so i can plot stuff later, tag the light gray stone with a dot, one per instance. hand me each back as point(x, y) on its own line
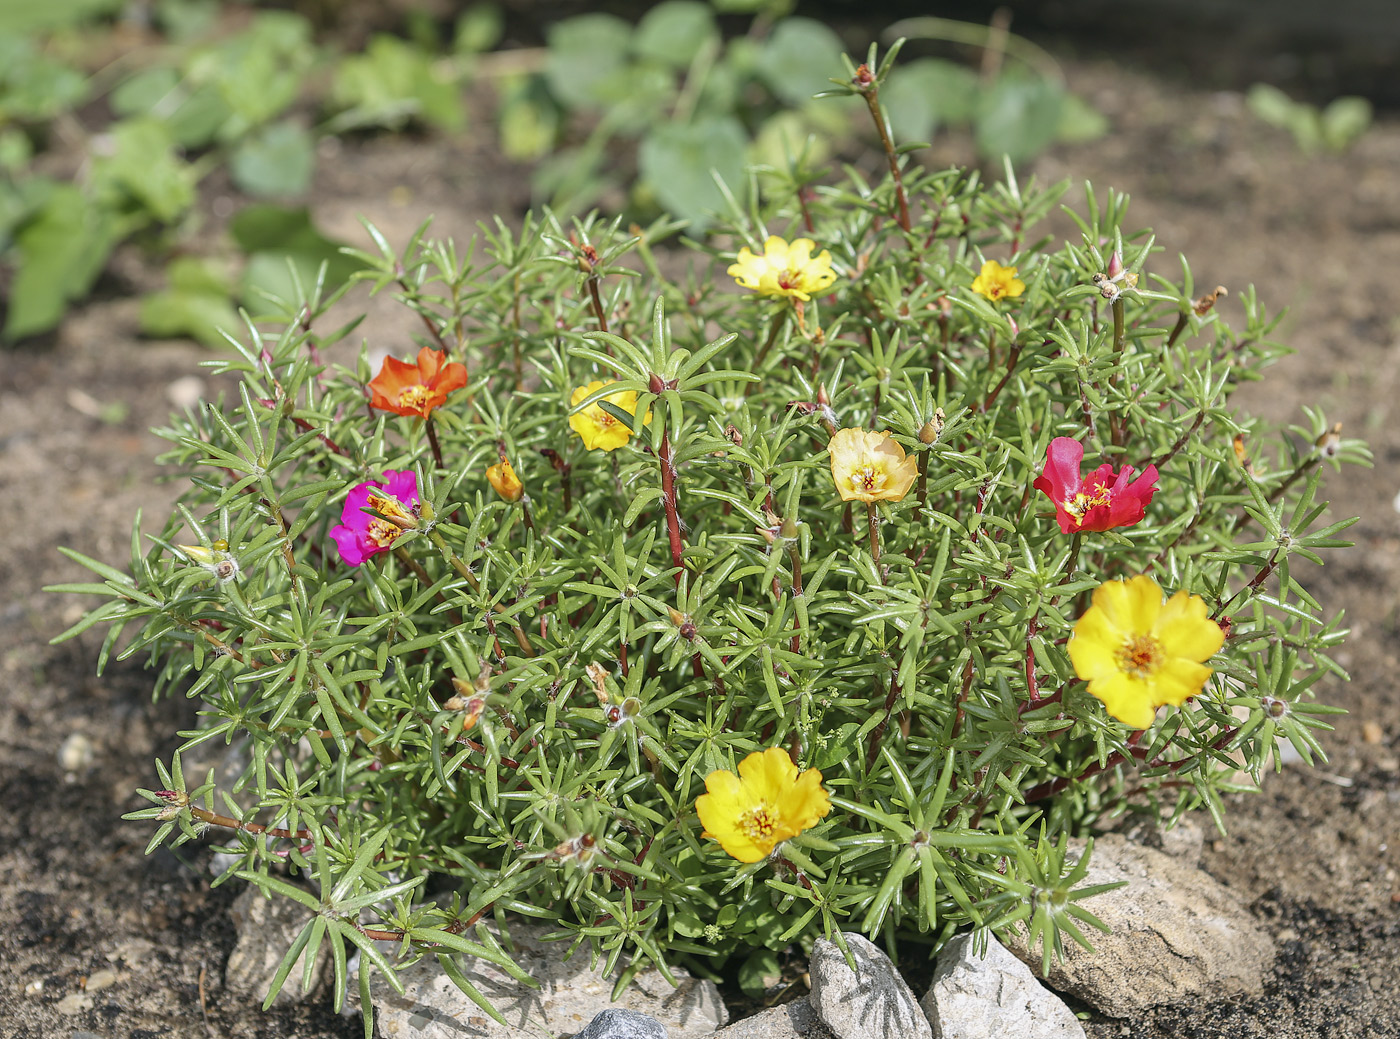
point(992, 996)
point(616, 1023)
point(1177, 934)
point(870, 1002)
point(266, 929)
point(795, 1020)
point(570, 995)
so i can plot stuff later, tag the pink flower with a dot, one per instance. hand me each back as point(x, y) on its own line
point(360, 534)
point(1100, 501)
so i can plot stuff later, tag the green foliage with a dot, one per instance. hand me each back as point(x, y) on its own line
point(1333, 128)
point(513, 711)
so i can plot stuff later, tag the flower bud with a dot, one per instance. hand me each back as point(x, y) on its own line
point(504, 481)
point(933, 428)
point(1115, 266)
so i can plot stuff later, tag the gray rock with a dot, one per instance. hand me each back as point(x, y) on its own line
point(615, 1023)
point(571, 994)
point(870, 1002)
point(795, 1020)
point(266, 929)
point(992, 996)
point(1177, 934)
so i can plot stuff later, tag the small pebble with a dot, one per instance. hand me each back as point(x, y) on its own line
point(1372, 732)
point(75, 753)
point(34, 988)
point(74, 1003)
point(100, 979)
point(185, 392)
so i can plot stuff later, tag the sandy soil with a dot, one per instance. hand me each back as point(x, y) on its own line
point(1315, 855)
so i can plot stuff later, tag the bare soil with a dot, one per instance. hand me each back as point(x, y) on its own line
point(1315, 854)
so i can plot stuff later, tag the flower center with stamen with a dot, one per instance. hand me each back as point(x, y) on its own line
point(1140, 656)
point(382, 533)
point(758, 823)
point(868, 478)
point(413, 397)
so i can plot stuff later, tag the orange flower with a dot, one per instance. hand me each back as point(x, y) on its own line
point(416, 389)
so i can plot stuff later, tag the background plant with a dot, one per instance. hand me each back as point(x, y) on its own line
point(513, 715)
point(97, 149)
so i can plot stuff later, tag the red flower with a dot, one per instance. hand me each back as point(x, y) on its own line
point(416, 389)
point(1100, 501)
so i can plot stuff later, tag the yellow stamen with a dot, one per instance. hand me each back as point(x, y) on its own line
point(413, 397)
point(1140, 656)
point(383, 533)
point(758, 823)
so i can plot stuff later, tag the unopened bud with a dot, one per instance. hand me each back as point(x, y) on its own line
point(1330, 442)
point(790, 527)
point(1115, 266)
point(1015, 328)
point(504, 481)
point(933, 428)
point(677, 618)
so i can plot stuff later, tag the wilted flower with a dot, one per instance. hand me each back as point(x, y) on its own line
point(416, 389)
point(783, 269)
point(998, 282)
point(870, 466)
point(1138, 653)
point(359, 534)
point(1100, 501)
point(599, 430)
point(502, 478)
point(765, 804)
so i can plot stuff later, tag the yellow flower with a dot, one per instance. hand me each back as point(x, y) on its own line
point(502, 477)
point(870, 466)
point(599, 430)
point(998, 282)
point(1138, 653)
point(784, 270)
point(765, 804)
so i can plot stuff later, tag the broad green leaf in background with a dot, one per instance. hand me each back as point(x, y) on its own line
point(277, 160)
point(799, 59)
point(142, 168)
point(61, 249)
point(675, 160)
point(926, 94)
point(17, 17)
point(195, 303)
point(1080, 121)
point(1344, 120)
point(33, 86)
point(276, 236)
point(1018, 118)
point(395, 81)
point(528, 119)
point(194, 115)
point(673, 32)
point(259, 72)
point(584, 52)
point(479, 29)
point(759, 972)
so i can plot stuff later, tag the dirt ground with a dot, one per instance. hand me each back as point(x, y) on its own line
point(1315, 855)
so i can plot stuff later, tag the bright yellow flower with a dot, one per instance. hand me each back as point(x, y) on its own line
point(998, 282)
point(765, 804)
point(870, 466)
point(784, 270)
point(502, 478)
point(599, 430)
point(1138, 652)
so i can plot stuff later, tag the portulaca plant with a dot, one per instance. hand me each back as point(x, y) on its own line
point(832, 585)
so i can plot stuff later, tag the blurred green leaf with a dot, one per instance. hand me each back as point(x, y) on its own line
point(927, 93)
point(1080, 121)
point(33, 86)
point(583, 53)
point(1271, 105)
point(676, 160)
point(194, 116)
point(799, 59)
point(528, 120)
point(1018, 118)
point(673, 32)
point(276, 236)
point(1344, 120)
point(395, 81)
point(277, 160)
point(61, 250)
point(195, 303)
point(142, 168)
point(479, 29)
point(18, 17)
point(759, 972)
point(259, 72)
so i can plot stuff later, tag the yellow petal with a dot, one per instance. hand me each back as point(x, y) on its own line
point(1094, 648)
point(1179, 680)
point(1126, 699)
point(1186, 630)
point(1131, 606)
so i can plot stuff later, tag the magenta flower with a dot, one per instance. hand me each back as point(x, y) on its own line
point(1100, 501)
point(361, 534)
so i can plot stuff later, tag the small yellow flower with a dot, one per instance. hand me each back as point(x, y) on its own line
point(870, 466)
point(1138, 652)
point(784, 270)
point(599, 430)
point(502, 477)
point(998, 282)
point(765, 804)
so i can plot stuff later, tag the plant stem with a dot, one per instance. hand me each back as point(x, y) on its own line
point(668, 500)
point(871, 91)
point(874, 524)
point(433, 440)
